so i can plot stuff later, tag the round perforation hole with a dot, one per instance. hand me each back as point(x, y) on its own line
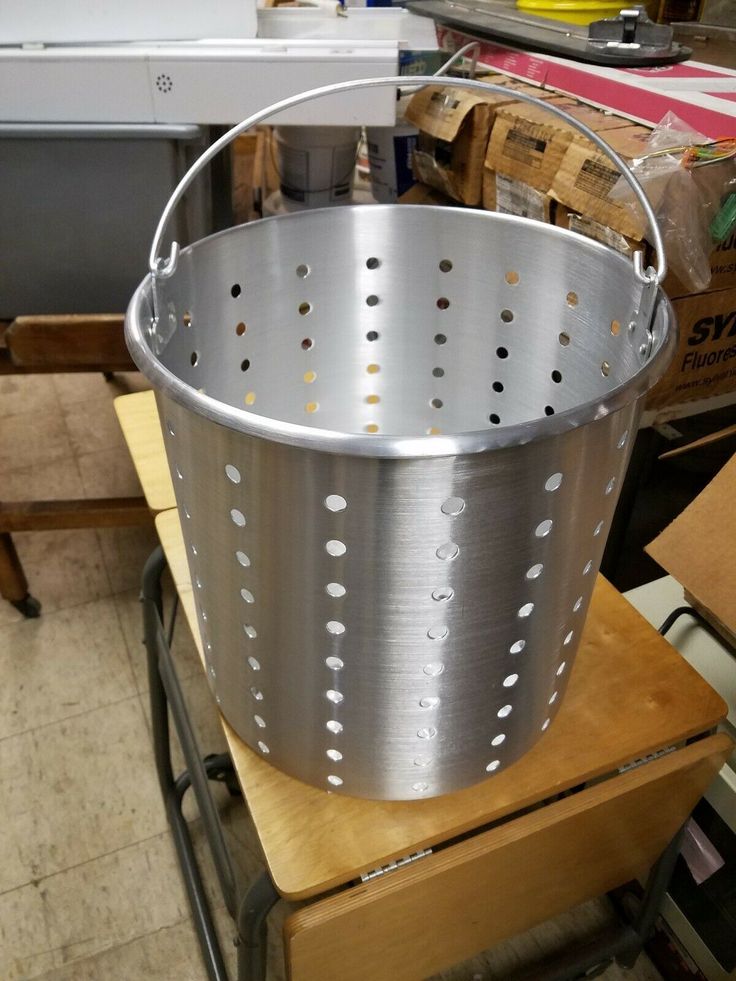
point(171, 429)
point(577, 604)
point(494, 418)
point(254, 663)
point(556, 376)
point(561, 668)
point(563, 338)
point(247, 595)
point(448, 551)
point(372, 335)
point(440, 339)
point(587, 567)
point(568, 638)
point(427, 732)
point(534, 571)
point(309, 377)
point(373, 399)
point(334, 727)
point(497, 386)
point(240, 329)
point(434, 669)
point(238, 518)
point(610, 485)
point(493, 765)
point(545, 724)
point(334, 663)
point(186, 318)
point(305, 308)
point(526, 610)
point(622, 441)
point(605, 369)
point(553, 482)
point(438, 631)
point(443, 595)
point(335, 589)
point(250, 398)
point(334, 754)
point(504, 711)
point(429, 702)
point(543, 528)
point(335, 627)
point(242, 558)
point(372, 262)
point(549, 410)
point(445, 265)
point(235, 291)
point(502, 352)
point(372, 300)
point(436, 403)
point(422, 760)
point(453, 506)
point(244, 364)
point(194, 358)
point(615, 328)
point(510, 680)
point(517, 647)
point(335, 547)
point(443, 303)
point(250, 631)
point(179, 474)
point(598, 528)
point(302, 270)
point(553, 698)
point(263, 747)
point(507, 316)
point(232, 473)
point(512, 277)
point(572, 298)
point(420, 787)
point(307, 343)
point(438, 372)
point(371, 427)
point(257, 694)
point(373, 369)
point(334, 780)
point(334, 696)
point(497, 740)
point(334, 502)
point(259, 721)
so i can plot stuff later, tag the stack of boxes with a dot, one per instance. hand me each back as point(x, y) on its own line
point(505, 155)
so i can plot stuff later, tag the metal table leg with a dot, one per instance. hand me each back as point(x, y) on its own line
point(251, 909)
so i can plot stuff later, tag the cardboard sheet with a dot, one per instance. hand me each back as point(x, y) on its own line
point(699, 550)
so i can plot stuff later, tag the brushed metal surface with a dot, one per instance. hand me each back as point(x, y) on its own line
point(394, 613)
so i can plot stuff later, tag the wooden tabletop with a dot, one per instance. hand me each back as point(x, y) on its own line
point(630, 694)
point(138, 418)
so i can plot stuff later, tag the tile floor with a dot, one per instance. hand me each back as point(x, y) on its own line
point(89, 889)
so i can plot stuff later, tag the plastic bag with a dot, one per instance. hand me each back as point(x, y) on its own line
point(685, 200)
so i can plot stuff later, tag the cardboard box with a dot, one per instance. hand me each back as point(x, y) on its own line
point(586, 177)
point(454, 126)
point(511, 197)
point(421, 194)
point(567, 218)
point(699, 550)
point(528, 144)
point(705, 361)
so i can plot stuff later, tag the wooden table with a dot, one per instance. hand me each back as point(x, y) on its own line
point(569, 821)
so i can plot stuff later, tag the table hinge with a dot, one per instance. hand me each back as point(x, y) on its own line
point(646, 759)
point(397, 864)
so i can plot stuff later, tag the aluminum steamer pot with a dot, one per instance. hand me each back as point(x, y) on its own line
point(397, 436)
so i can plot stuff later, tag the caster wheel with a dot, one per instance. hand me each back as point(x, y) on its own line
point(29, 606)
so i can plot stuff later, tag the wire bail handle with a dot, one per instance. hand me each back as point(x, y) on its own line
point(650, 278)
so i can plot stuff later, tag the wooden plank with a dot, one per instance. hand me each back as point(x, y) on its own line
point(103, 512)
point(138, 418)
point(470, 896)
point(630, 694)
point(58, 343)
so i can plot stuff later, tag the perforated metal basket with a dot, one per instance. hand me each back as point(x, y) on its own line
point(397, 436)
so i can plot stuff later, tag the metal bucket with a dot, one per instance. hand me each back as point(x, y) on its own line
point(397, 436)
